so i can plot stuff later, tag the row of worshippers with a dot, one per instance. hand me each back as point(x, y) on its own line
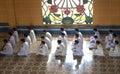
point(95, 41)
point(46, 39)
point(61, 48)
point(11, 42)
point(111, 43)
point(26, 42)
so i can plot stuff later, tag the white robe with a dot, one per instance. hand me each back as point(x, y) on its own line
point(92, 38)
point(43, 50)
point(65, 33)
point(98, 35)
point(28, 39)
point(8, 49)
point(12, 41)
point(113, 42)
point(77, 50)
point(15, 34)
point(24, 49)
point(64, 40)
point(81, 37)
point(49, 36)
point(115, 52)
point(110, 37)
point(48, 42)
point(80, 42)
point(98, 51)
point(60, 50)
point(108, 42)
point(32, 36)
point(92, 44)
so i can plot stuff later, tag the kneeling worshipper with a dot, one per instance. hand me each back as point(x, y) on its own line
point(47, 34)
point(99, 50)
point(108, 42)
point(12, 40)
point(43, 50)
point(60, 52)
point(63, 31)
point(24, 49)
point(63, 39)
point(15, 34)
point(80, 34)
point(115, 38)
point(77, 37)
point(7, 49)
point(93, 40)
point(28, 39)
point(97, 33)
point(115, 52)
point(47, 41)
point(110, 35)
point(77, 52)
point(32, 35)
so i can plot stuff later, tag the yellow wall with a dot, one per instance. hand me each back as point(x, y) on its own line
point(7, 12)
point(106, 12)
point(28, 12)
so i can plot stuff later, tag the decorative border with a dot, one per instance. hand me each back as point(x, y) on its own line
point(4, 27)
point(69, 29)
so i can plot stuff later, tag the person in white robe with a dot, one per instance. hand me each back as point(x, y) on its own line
point(99, 50)
point(15, 34)
point(7, 49)
point(80, 34)
point(28, 39)
point(115, 52)
point(32, 35)
point(109, 39)
point(77, 52)
point(97, 33)
point(47, 34)
point(77, 49)
point(60, 52)
point(115, 38)
point(63, 38)
point(43, 50)
point(110, 35)
point(60, 49)
point(63, 31)
point(24, 49)
point(47, 41)
point(108, 43)
point(12, 40)
point(77, 37)
point(93, 40)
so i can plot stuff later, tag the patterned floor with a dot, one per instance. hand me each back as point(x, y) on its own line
point(49, 65)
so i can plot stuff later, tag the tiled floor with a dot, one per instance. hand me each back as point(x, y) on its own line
point(49, 65)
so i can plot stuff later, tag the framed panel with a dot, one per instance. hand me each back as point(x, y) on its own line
point(67, 11)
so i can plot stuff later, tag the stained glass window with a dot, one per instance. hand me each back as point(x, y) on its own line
point(67, 11)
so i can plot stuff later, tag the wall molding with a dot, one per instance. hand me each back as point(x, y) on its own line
point(4, 27)
point(69, 29)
